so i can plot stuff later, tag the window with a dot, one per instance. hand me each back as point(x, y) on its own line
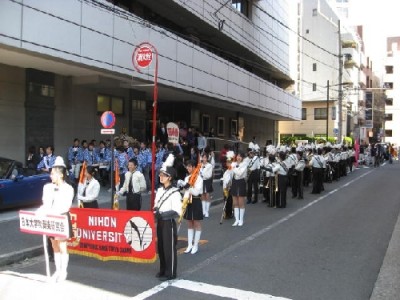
point(314, 87)
point(388, 117)
point(319, 113)
point(138, 105)
point(304, 113)
point(241, 6)
point(220, 126)
point(105, 103)
point(314, 12)
point(314, 66)
point(333, 113)
point(388, 133)
point(389, 69)
point(205, 123)
point(38, 89)
point(234, 127)
point(307, 30)
point(389, 101)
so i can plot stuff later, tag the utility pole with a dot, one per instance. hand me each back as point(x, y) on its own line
point(327, 109)
point(340, 86)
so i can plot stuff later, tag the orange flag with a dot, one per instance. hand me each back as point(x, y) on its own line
point(82, 178)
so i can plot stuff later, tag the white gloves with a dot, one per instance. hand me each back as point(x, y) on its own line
point(181, 183)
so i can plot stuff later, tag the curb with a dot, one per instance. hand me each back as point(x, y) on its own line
point(17, 256)
point(387, 285)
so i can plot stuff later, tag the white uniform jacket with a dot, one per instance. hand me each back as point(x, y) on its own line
point(91, 189)
point(138, 182)
point(57, 199)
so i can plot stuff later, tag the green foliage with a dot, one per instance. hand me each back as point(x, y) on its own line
point(289, 140)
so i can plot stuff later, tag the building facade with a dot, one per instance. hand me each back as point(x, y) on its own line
point(62, 63)
point(392, 84)
point(317, 63)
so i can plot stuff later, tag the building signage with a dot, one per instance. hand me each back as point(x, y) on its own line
point(142, 56)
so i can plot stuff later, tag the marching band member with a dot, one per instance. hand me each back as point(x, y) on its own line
point(133, 186)
point(282, 169)
point(57, 199)
point(270, 186)
point(238, 188)
point(318, 165)
point(206, 173)
point(227, 183)
point(89, 192)
point(167, 207)
point(297, 186)
point(292, 160)
point(253, 176)
point(343, 161)
point(193, 186)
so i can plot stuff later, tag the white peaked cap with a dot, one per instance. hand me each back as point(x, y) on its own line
point(59, 162)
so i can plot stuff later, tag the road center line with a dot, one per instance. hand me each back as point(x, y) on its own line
point(233, 247)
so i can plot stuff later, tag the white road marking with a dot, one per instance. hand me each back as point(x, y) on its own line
point(231, 248)
point(222, 291)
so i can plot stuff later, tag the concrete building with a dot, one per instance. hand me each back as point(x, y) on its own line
point(318, 63)
point(62, 63)
point(391, 80)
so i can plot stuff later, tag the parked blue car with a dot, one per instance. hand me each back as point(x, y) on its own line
point(20, 186)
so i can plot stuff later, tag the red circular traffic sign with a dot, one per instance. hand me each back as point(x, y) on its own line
point(107, 119)
point(142, 57)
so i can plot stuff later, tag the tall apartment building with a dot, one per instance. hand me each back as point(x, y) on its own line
point(329, 53)
point(391, 81)
point(220, 64)
point(318, 63)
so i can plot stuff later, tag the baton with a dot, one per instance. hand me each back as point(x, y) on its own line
point(223, 210)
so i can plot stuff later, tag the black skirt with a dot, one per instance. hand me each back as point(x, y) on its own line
point(194, 210)
point(208, 186)
point(238, 188)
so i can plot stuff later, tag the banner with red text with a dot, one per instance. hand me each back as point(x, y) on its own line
point(108, 234)
point(173, 133)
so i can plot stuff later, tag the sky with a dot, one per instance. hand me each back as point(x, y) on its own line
point(380, 20)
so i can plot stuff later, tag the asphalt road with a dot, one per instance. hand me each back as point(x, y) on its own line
point(328, 246)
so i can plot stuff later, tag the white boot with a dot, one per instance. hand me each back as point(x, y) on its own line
point(64, 266)
point(57, 262)
point(195, 248)
point(190, 240)
point(207, 207)
point(236, 213)
point(241, 217)
point(203, 205)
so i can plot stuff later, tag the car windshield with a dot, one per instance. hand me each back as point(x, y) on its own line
point(5, 165)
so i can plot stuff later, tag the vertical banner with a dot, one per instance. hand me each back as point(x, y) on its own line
point(369, 102)
point(173, 133)
point(107, 234)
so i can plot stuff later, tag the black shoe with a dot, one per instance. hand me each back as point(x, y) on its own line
point(294, 196)
point(254, 202)
point(167, 278)
point(248, 201)
point(300, 198)
point(160, 274)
